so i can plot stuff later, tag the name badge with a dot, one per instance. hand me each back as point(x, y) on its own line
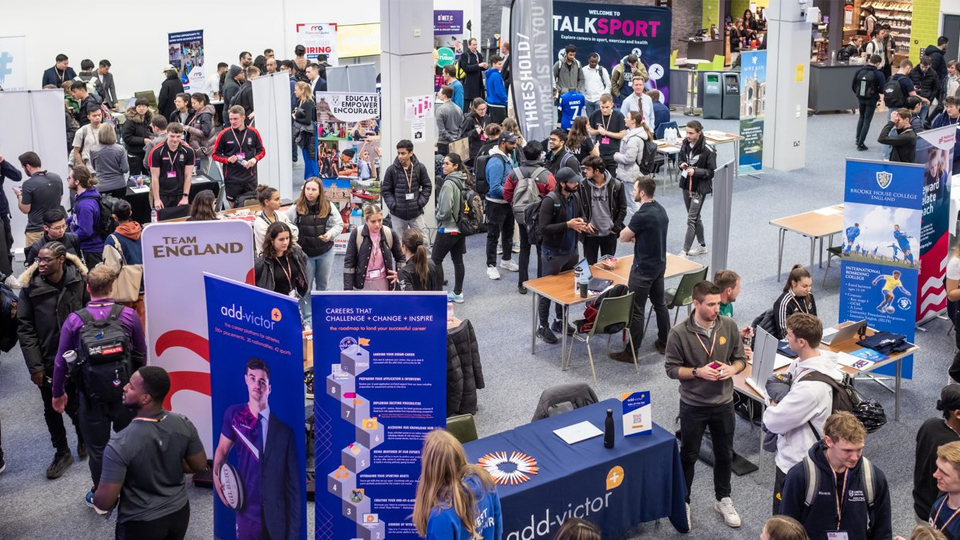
point(605, 140)
point(171, 174)
point(240, 155)
point(411, 196)
point(837, 535)
point(375, 274)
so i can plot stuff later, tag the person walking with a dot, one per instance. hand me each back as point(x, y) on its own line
point(499, 213)
point(318, 222)
point(449, 240)
point(532, 174)
point(697, 162)
point(406, 189)
point(304, 122)
point(604, 205)
point(373, 254)
point(868, 85)
point(85, 218)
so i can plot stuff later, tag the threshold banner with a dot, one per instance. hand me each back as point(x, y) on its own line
point(532, 64)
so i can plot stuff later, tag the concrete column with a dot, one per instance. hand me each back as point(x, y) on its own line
point(406, 36)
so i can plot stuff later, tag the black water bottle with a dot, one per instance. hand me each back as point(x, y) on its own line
point(608, 432)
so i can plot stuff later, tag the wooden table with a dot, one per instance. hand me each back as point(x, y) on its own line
point(668, 149)
point(815, 225)
point(559, 288)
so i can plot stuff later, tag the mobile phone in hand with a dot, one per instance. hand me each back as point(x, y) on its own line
point(715, 365)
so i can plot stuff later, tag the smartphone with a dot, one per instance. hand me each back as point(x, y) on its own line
point(715, 365)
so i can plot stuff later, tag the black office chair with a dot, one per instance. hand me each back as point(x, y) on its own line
point(565, 397)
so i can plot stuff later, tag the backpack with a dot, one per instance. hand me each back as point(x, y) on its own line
point(648, 159)
point(526, 193)
point(106, 224)
point(846, 398)
point(480, 172)
point(104, 357)
point(812, 475)
point(866, 87)
point(893, 94)
point(384, 230)
point(593, 308)
point(470, 219)
point(531, 217)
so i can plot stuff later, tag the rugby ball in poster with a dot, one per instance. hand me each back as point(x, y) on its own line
point(231, 486)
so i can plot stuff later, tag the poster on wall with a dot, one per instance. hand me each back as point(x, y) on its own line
point(317, 39)
point(531, 46)
point(382, 359)
point(175, 256)
point(883, 203)
point(935, 153)
point(186, 55)
point(348, 115)
point(753, 86)
point(613, 32)
point(448, 34)
point(256, 376)
point(13, 63)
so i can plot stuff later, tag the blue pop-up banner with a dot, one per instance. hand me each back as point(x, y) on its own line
point(882, 209)
point(382, 361)
point(256, 378)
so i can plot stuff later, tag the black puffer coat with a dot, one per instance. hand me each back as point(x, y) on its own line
point(703, 159)
point(356, 260)
point(394, 189)
point(464, 370)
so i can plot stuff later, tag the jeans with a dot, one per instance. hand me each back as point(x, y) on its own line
point(606, 245)
point(590, 107)
point(924, 109)
point(694, 204)
point(632, 204)
point(54, 420)
point(650, 286)
point(401, 225)
point(524, 262)
point(318, 269)
point(169, 527)
point(96, 419)
point(310, 167)
point(867, 108)
point(694, 421)
point(553, 264)
point(455, 245)
point(500, 224)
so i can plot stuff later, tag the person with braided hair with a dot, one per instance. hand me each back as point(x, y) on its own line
point(420, 273)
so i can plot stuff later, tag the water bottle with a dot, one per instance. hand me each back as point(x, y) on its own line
point(577, 272)
point(608, 432)
point(153, 215)
point(70, 357)
point(449, 310)
point(582, 283)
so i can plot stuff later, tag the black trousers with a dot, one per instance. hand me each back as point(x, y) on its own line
point(498, 113)
point(6, 263)
point(777, 490)
point(136, 164)
point(456, 246)
point(500, 225)
point(524, 261)
point(169, 527)
point(54, 420)
point(92, 259)
point(955, 367)
point(867, 108)
point(606, 245)
point(553, 264)
point(96, 421)
point(694, 421)
point(650, 286)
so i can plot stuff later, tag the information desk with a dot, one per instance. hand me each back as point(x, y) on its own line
point(139, 198)
point(815, 225)
point(640, 479)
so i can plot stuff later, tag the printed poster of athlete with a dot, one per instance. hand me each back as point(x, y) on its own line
point(937, 161)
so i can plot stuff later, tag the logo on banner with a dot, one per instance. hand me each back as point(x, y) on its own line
point(347, 342)
point(615, 477)
point(884, 179)
point(904, 303)
point(516, 469)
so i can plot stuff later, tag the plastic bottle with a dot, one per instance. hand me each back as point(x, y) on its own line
point(608, 432)
point(153, 215)
point(576, 280)
point(582, 284)
point(449, 310)
point(70, 357)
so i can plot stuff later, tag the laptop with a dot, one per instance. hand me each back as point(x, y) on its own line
point(764, 360)
point(843, 334)
point(594, 284)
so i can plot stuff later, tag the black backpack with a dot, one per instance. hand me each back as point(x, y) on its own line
point(846, 398)
point(106, 224)
point(480, 172)
point(470, 218)
point(893, 96)
point(865, 84)
point(104, 357)
point(531, 216)
point(648, 161)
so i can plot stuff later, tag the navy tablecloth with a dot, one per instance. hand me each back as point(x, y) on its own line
point(638, 480)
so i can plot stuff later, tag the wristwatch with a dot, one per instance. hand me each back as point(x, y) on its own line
point(694, 373)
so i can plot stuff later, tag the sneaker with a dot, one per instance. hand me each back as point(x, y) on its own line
point(729, 513)
point(622, 356)
point(700, 250)
point(3, 464)
point(521, 289)
point(861, 147)
point(61, 462)
point(547, 335)
point(515, 247)
point(455, 298)
point(682, 254)
point(88, 498)
point(509, 265)
point(571, 329)
point(492, 272)
point(689, 519)
point(81, 450)
point(661, 347)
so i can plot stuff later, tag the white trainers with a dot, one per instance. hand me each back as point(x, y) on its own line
point(682, 254)
point(729, 513)
point(492, 272)
point(689, 520)
point(509, 265)
point(699, 250)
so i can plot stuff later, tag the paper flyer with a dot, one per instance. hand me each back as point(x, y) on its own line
point(637, 414)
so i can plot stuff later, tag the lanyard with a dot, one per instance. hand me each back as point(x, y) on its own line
point(146, 419)
point(60, 75)
point(170, 156)
point(712, 346)
point(609, 119)
point(239, 144)
point(801, 307)
point(288, 271)
point(944, 503)
point(839, 495)
point(409, 177)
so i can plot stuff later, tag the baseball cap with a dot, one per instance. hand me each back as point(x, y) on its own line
point(567, 174)
point(506, 136)
point(949, 398)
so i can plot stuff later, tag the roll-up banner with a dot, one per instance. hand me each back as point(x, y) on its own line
point(186, 55)
point(13, 63)
point(935, 152)
point(753, 85)
point(531, 36)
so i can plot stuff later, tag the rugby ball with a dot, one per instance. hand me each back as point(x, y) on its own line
point(231, 487)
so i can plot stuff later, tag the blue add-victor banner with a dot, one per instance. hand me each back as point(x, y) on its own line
point(883, 203)
point(382, 361)
point(256, 378)
point(753, 87)
point(614, 32)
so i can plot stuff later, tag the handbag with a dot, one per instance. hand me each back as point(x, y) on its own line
point(129, 279)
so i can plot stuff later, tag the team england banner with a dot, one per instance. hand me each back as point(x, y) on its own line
point(13, 63)
point(186, 55)
point(532, 64)
point(753, 84)
point(317, 39)
point(883, 203)
point(256, 375)
point(935, 153)
point(613, 32)
point(382, 362)
point(175, 256)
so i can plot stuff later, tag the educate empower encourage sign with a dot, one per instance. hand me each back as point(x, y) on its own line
point(349, 106)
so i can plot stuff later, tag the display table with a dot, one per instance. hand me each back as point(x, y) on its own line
point(139, 198)
point(640, 479)
point(815, 225)
point(830, 87)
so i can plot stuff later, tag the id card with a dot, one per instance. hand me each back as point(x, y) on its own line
point(240, 155)
point(605, 140)
point(375, 274)
point(837, 535)
point(411, 196)
point(171, 174)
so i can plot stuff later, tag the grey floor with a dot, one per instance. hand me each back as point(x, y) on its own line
point(33, 507)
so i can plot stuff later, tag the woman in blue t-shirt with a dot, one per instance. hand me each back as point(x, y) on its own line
point(455, 500)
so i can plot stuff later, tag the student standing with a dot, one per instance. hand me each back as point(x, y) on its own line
point(7, 171)
point(123, 248)
point(531, 174)
point(304, 122)
point(54, 230)
point(137, 132)
point(496, 90)
point(904, 143)
point(868, 85)
point(448, 239)
point(42, 191)
point(607, 126)
point(449, 120)
point(499, 214)
point(84, 220)
point(110, 161)
point(596, 82)
point(406, 189)
point(373, 254)
point(239, 148)
point(269, 199)
point(567, 73)
point(631, 152)
point(558, 156)
point(934, 433)
point(318, 222)
point(200, 131)
point(604, 204)
point(697, 162)
point(797, 297)
point(282, 265)
point(450, 79)
point(171, 170)
point(704, 352)
point(472, 64)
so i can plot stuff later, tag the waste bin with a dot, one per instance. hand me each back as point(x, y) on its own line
point(731, 96)
point(712, 95)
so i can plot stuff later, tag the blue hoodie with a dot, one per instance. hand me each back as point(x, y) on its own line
point(860, 521)
point(84, 218)
point(445, 524)
point(496, 91)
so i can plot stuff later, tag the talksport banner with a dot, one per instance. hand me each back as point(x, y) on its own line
point(613, 32)
point(532, 66)
point(256, 372)
point(935, 153)
point(186, 55)
point(383, 362)
point(883, 203)
point(175, 256)
point(753, 85)
point(13, 63)
point(317, 39)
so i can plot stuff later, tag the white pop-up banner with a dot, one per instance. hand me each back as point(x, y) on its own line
point(175, 256)
point(13, 63)
point(272, 118)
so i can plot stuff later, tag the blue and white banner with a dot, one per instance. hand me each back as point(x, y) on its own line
point(935, 153)
point(882, 214)
point(753, 86)
point(382, 361)
point(13, 63)
point(185, 50)
point(256, 372)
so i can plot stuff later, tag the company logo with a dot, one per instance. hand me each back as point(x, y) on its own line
point(516, 469)
point(723, 340)
point(884, 179)
point(904, 303)
point(614, 477)
point(347, 342)
point(275, 315)
point(239, 314)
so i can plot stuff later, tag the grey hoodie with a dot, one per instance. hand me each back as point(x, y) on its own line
point(449, 199)
point(687, 346)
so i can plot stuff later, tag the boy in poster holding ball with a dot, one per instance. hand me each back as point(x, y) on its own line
point(890, 283)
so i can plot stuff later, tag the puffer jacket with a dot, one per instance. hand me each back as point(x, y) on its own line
point(356, 260)
point(136, 132)
point(263, 271)
point(464, 370)
point(43, 308)
point(202, 135)
point(703, 158)
point(631, 150)
point(311, 227)
point(394, 189)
